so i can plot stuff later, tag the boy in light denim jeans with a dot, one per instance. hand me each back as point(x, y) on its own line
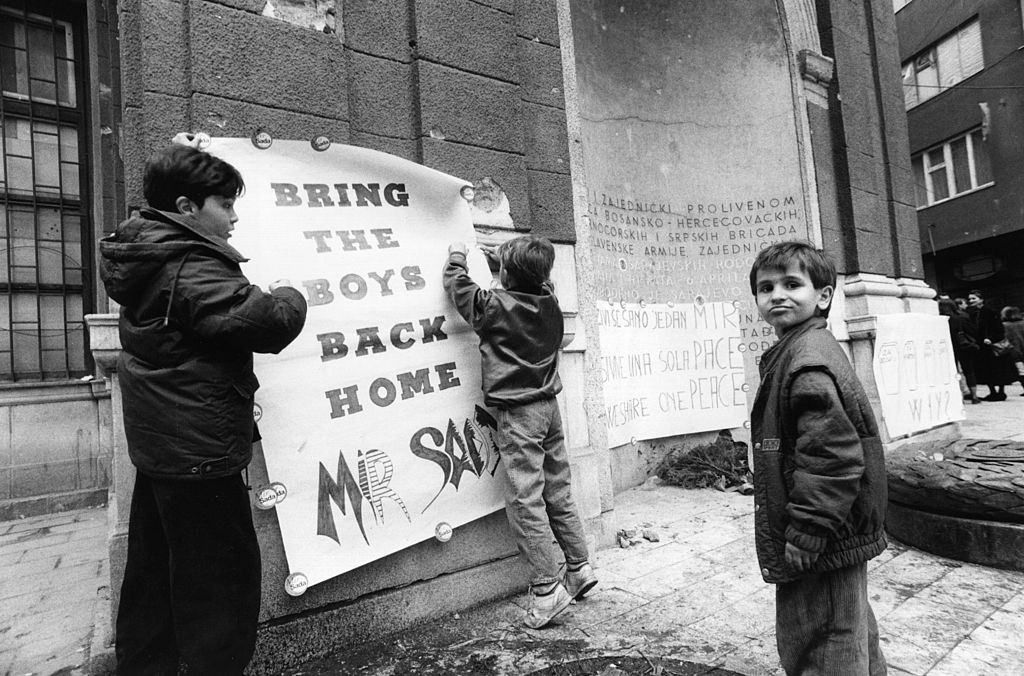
point(520, 330)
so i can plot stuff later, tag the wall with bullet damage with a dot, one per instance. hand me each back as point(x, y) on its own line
point(472, 88)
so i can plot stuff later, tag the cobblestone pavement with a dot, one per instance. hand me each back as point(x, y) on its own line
point(695, 595)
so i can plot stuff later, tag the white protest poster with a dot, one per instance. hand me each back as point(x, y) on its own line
point(372, 419)
point(670, 369)
point(916, 373)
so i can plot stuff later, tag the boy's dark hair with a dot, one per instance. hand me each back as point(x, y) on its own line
point(948, 307)
point(527, 259)
point(815, 262)
point(976, 292)
point(180, 170)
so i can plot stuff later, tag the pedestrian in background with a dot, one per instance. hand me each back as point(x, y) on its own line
point(520, 329)
point(190, 322)
point(965, 345)
point(1013, 328)
point(819, 473)
point(995, 370)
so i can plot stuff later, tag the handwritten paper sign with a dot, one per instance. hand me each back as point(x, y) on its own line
point(916, 373)
point(670, 369)
point(372, 420)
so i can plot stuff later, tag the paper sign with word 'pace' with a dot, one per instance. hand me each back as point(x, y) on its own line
point(372, 419)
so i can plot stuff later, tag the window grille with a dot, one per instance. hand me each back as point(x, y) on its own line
point(44, 253)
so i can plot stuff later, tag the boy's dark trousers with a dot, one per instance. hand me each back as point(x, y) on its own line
point(824, 625)
point(191, 587)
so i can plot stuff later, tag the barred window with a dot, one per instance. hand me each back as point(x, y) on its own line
point(44, 272)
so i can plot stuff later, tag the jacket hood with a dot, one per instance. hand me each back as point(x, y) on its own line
point(142, 245)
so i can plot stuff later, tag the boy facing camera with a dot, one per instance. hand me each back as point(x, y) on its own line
point(819, 473)
point(189, 324)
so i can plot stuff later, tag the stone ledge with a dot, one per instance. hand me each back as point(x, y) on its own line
point(988, 543)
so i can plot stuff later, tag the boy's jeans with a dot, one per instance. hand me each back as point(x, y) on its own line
point(824, 625)
point(538, 496)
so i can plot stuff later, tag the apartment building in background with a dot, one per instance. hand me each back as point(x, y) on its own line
point(963, 85)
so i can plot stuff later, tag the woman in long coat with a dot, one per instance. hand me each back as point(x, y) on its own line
point(996, 372)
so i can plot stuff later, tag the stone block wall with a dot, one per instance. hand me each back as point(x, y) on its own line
point(471, 88)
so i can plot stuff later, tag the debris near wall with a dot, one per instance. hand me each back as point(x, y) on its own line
point(721, 464)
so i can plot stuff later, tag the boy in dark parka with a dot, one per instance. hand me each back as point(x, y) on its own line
point(189, 324)
point(819, 473)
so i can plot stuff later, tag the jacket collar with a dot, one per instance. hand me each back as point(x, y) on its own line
point(771, 356)
point(192, 225)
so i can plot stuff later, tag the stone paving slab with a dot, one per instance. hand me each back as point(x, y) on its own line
point(696, 595)
point(54, 572)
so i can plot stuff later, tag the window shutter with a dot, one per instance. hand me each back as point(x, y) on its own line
point(949, 62)
point(971, 57)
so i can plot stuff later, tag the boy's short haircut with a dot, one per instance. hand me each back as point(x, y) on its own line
point(527, 259)
point(180, 170)
point(815, 262)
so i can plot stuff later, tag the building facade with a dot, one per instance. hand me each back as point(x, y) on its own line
point(963, 78)
point(576, 111)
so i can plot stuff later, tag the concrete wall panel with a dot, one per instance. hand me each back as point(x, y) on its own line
point(163, 36)
point(466, 35)
point(228, 117)
point(540, 73)
point(551, 206)
point(470, 109)
point(382, 96)
point(547, 139)
point(252, 58)
point(380, 28)
point(538, 20)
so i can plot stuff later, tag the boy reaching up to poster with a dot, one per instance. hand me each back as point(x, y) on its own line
point(819, 473)
point(190, 322)
point(520, 330)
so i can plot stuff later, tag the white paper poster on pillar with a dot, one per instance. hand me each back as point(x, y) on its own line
point(372, 420)
point(916, 373)
point(671, 368)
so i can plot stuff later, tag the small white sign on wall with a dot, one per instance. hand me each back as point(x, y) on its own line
point(916, 373)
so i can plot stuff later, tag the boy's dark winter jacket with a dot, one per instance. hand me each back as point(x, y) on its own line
point(520, 332)
point(189, 324)
point(819, 469)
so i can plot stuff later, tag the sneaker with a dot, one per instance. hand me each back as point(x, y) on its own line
point(545, 607)
point(579, 582)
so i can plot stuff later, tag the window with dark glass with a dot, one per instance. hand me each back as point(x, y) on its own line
point(43, 215)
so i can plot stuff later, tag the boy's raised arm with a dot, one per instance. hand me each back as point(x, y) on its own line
point(469, 299)
point(828, 458)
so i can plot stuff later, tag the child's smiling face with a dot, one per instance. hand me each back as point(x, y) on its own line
point(787, 298)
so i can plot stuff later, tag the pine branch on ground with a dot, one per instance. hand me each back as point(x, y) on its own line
point(721, 463)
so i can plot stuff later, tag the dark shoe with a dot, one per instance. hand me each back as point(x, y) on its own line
point(975, 400)
point(995, 397)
